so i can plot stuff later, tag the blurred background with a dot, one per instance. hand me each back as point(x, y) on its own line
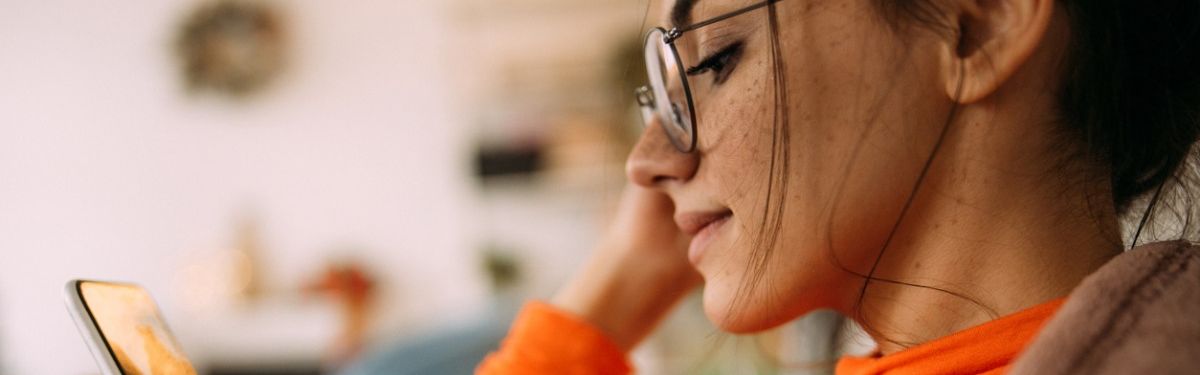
point(311, 187)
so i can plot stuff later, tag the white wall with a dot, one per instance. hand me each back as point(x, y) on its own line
point(109, 170)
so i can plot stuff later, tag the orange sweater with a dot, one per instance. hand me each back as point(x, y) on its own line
point(988, 348)
point(546, 340)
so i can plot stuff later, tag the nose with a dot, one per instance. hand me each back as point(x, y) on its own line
point(654, 160)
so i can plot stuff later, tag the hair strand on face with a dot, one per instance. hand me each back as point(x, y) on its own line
point(775, 200)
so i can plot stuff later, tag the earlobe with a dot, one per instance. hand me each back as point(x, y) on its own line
point(995, 38)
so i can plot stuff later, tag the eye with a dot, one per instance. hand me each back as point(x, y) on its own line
point(720, 63)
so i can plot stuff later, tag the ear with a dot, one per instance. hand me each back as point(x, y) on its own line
point(995, 38)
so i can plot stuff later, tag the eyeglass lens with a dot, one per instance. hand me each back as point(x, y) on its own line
point(669, 92)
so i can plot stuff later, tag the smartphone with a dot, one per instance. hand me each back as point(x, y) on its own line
point(124, 330)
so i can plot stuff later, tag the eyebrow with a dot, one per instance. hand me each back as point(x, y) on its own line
point(681, 12)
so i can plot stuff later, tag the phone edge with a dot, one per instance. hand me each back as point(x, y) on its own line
point(86, 325)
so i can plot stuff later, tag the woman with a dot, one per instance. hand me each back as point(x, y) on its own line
point(949, 174)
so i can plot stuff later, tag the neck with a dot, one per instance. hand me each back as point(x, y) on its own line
point(987, 235)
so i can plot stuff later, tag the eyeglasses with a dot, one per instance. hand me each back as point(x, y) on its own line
point(668, 98)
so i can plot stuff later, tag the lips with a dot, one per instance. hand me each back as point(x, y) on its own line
point(704, 228)
point(693, 222)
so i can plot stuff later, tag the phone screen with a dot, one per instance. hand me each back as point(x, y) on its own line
point(133, 329)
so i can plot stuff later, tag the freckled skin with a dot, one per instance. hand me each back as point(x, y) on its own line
point(998, 214)
point(834, 109)
point(867, 106)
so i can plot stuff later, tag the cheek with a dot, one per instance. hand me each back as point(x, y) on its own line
point(860, 124)
point(864, 107)
point(736, 142)
point(735, 136)
point(861, 140)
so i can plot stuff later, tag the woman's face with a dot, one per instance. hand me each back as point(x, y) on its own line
point(864, 104)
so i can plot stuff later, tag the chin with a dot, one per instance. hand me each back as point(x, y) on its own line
point(738, 315)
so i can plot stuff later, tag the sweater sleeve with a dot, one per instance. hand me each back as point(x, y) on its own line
point(547, 340)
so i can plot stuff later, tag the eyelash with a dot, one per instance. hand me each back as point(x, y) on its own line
point(720, 63)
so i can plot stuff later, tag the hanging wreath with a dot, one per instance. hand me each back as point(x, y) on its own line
point(230, 47)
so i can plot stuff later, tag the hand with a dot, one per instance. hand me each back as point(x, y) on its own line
point(638, 272)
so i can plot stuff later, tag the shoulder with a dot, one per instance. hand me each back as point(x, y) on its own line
point(1136, 314)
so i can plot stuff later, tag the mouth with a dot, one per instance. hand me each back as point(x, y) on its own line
point(692, 223)
point(704, 228)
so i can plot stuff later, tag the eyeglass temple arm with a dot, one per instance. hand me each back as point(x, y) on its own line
point(678, 31)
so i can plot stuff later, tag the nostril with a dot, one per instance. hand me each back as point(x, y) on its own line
point(637, 173)
point(655, 160)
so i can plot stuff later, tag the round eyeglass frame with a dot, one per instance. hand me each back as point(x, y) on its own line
point(664, 41)
point(645, 95)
